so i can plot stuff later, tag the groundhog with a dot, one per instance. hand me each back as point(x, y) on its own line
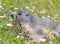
point(36, 27)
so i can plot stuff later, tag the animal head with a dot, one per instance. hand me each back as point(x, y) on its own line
point(21, 16)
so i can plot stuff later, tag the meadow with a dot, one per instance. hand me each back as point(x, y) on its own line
point(41, 8)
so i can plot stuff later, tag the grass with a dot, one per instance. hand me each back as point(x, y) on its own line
point(40, 8)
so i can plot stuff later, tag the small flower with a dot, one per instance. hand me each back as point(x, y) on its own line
point(35, 14)
point(43, 11)
point(16, 8)
point(42, 39)
point(13, 43)
point(43, 17)
point(0, 39)
point(10, 19)
point(4, 16)
point(48, 16)
point(4, 4)
point(18, 36)
point(50, 42)
point(28, 42)
point(9, 24)
point(27, 7)
point(1, 6)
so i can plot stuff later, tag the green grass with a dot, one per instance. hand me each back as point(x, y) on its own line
point(51, 8)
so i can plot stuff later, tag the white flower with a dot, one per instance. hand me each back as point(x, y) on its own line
point(50, 42)
point(48, 16)
point(42, 39)
point(18, 36)
point(43, 11)
point(32, 10)
point(27, 7)
point(10, 19)
point(0, 38)
point(16, 8)
point(4, 4)
point(9, 24)
point(35, 14)
point(13, 43)
point(1, 6)
point(28, 42)
point(4, 16)
point(43, 17)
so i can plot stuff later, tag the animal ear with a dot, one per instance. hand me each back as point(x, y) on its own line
point(19, 13)
point(27, 14)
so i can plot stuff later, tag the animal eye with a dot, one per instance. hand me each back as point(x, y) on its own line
point(27, 14)
point(19, 13)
